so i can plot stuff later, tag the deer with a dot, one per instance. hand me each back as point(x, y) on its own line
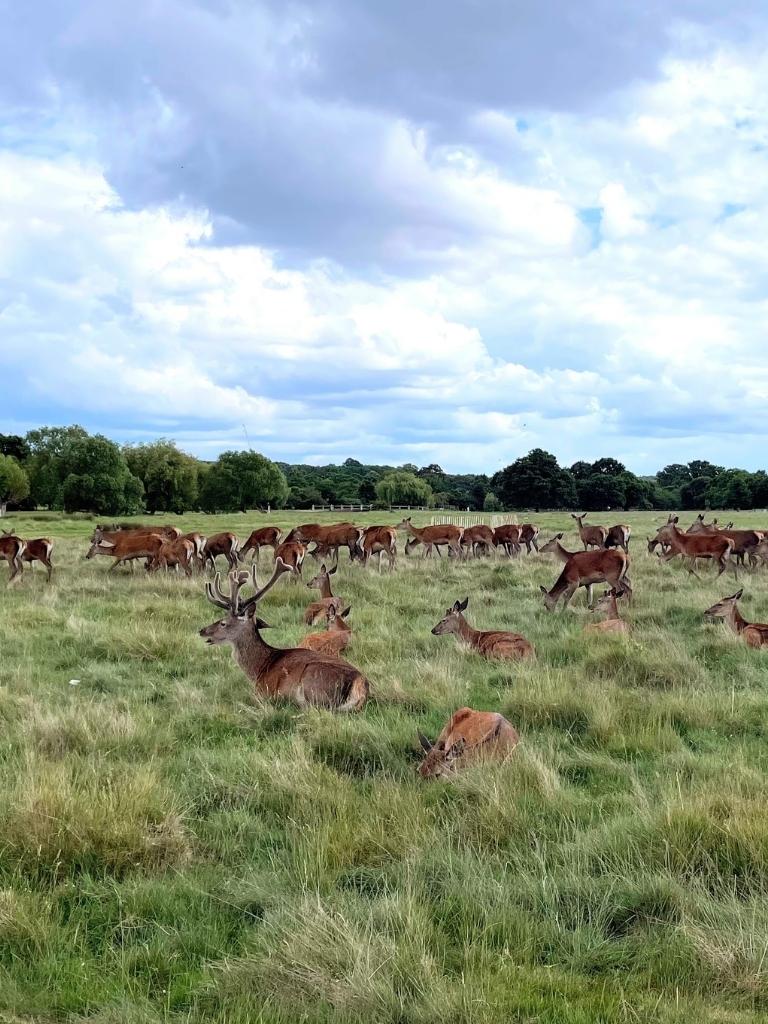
point(305, 677)
point(498, 645)
point(583, 569)
point(591, 536)
point(125, 545)
point(198, 542)
point(618, 537)
point(529, 533)
point(744, 541)
point(612, 623)
point(12, 550)
point(265, 537)
point(379, 540)
point(179, 552)
point(508, 536)
point(690, 546)
point(553, 546)
point(334, 638)
point(317, 609)
point(292, 553)
point(339, 535)
point(37, 550)
point(225, 544)
point(754, 634)
point(432, 536)
point(468, 735)
point(107, 533)
point(477, 538)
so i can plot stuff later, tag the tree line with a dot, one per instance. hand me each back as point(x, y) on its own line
point(67, 468)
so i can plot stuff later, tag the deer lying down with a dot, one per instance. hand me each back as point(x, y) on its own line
point(305, 677)
point(613, 623)
point(497, 644)
point(468, 735)
point(754, 634)
point(334, 639)
point(322, 582)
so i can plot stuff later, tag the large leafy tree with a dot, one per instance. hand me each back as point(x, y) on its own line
point(14, 445)
point(403, 488)
point(730, 489)
point(169, 475)
point(45, 465)
point(238, 481)
point(96, 478)
point(14, 482)
point(535, 481)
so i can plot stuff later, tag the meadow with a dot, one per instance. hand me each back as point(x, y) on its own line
point(173, 850)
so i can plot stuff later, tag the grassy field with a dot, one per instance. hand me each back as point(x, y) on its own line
point(171, 850)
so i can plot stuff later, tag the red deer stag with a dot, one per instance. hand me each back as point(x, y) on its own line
point(583, 569)
point(618, 537)
point(174, 553)
point(334, 638)
point(318, 609)
point(468, 735)
point(292, 553)
point(125, 545)
point(500, 645)
point(265, 537)
point(432, 536)
point(379, 540)
point(37, 550)
point(508, 536)
point(225, 544)
point(591, 536)
point(12, 550)
point(690, 546)
point(477, 538)
point(296, 674)
point(754, 634)
point(612, 623)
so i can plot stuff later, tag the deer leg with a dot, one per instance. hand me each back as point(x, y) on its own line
point(589, 595)
point(568, 594)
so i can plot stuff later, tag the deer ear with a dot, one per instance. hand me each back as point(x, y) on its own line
point(332, 571)
point(463, 605)
point(322, 567)
point(676, 519)
point(346, 612)
point(738, 594)
point(258, 623)
point(543, 590)
point(426, 745)
point(558, 536)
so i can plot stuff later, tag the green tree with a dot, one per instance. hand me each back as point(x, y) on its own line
point(45, 465)
point(96, 478)
point(238, 481)
point(367, 489)
point(730, 489)
point(14, 482)
point(402, 488)
point(535, 481)
point(674, 476)
point(169, 475)
point(693, 495)
point(491, 503)
point(14, 445)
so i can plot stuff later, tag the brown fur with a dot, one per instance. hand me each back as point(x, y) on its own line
point(591, 536)
point(754, 634)
point(468, 735)
point(496, 644)
point(433, 536)
point(265, 537)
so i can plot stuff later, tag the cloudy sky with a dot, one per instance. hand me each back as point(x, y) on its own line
point(422, 232)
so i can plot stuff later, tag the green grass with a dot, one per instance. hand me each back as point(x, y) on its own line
point(173, 850)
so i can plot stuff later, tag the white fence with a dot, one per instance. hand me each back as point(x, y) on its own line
point(473, 519)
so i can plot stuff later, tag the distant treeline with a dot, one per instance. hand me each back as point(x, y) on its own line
point(69, 469)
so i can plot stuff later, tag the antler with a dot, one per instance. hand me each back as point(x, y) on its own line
point(216, 595)
point(280, 568)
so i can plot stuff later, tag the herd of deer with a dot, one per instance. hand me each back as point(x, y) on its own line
point(314, 673)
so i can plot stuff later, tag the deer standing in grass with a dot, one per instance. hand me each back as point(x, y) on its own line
point(379, 540)
point(225, 544)
point(468, 735)
point(12, 550)
point(37, 550)
point(690, 546)
point(432, 536)
point(265, 537)
point(508, 536)
point(334, 638)
point(613, 622)
point(497, 644)
point(618, 537)
point(754, 634)
point(198, 542)
point(174, 553)
point(529, 533)
point(292, 553)
point(317, 609)
point(477, 538)
point(125, 545)
point(306, 677)
point(585, 568)
point(554, 547)
point(591, 536)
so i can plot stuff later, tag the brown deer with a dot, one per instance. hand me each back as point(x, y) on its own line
point(379, 540)
point(334, 638)
point(12, 550)
point(690, 546)
point(108, 534)
point(225, 544)
point(508, 536)
point(468, 735)
point(754, 634)
point(554, 547)
point(37, 550)
point(125, 545)
point(591, 536)
point(612, 623)
point(328, 538)
point(500, 645)
point(618, 537)
point(477, 538)
point(432, 536)
point(529, 533)
point(174, 553)
point(584, 568)
point(292, 552)
point(744, 541)
point(198, 542)
point(308, 678)
point(318, 609)
point(265, 537)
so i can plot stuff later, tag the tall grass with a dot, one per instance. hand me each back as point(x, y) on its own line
point(172, 849)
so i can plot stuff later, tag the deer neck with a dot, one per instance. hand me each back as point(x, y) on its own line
point(736, 620)
point(252, 653)
point(466, 632)
point(613, 611)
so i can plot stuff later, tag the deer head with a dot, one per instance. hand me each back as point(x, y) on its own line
point(97, 541)
point(722, 609)
point(439, 761)
point(241, 619)
point(322, 579)
point(605, 602)
point(551, 544)
point(451, 621)
point(404, 524)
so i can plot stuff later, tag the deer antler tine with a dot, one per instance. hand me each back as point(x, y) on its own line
point(215, 598)
point(217, 588)
point(252, 575)
point(280, 568)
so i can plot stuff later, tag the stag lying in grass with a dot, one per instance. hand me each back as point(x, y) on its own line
point(12, 550)
point(468, 735)
point(754, 634)
point(334, 638)
point(308, 678)
point(583, 569)
point(37, 550)
point(500, 645)
point(613, 622)
point(322, 582)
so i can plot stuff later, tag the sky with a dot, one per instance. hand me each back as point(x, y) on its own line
point(432, 232)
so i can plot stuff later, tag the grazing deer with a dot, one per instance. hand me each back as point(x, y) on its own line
point(379, 540)
point(108, 534)
point(584, 568)
point(225, 544)
point(174, 553)
point(198, 541)
point(37, 550)
point(318, 609)
point(690, 546)
point(508, 536)
point(497, 644)
point(265, 537)
point(613, 623)
point(328, 538)
point(306, 677)
point(125, 545)
point(292, 552)
point(12, 550)
point(618, 537)
point(469, 734)
point(432, 536)
point(529, 533)
point(754, 634)
point(334, 638)
point(591, 536)
point(476, 538)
